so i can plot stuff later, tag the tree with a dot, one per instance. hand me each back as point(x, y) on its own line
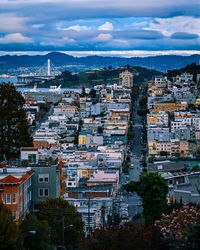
point(130, 135)
point(66, 226)
point(83, 93)
point(92, 93)
point(152, 189)
point(8, 228)
point(127, 236)
point(125, 167)
point(163, 153)
point(100, 129)
point(14, 128)
point(80, 122)
point(177, 226)
point(34, 233)
point(143, 101)
point(196, 168)
point(193, 241)
point(142, 112)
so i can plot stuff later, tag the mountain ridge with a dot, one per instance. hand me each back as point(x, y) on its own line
point(61, 60)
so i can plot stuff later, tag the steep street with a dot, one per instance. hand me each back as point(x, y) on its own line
point(132, 199)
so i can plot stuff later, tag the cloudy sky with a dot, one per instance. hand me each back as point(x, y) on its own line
point(97, 26)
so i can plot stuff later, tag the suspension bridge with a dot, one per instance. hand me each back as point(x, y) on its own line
point(45, 72)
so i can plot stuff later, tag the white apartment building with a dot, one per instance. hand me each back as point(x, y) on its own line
point(126, 79)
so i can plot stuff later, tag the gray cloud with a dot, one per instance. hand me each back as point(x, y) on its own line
point(184, 35)
point(47, 22)
point(139, 34)
point(74, 9)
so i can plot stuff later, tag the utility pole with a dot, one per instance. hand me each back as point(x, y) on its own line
point(103, 215)
point(88, 214)
point(63, 231)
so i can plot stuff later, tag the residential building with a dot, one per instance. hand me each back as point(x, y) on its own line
point(126, 79)
point(45, 183)
point(16, 190)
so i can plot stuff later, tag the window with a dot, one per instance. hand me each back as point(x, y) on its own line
point(43, 192)
point(32, 158)
point(43, 178)
point(14, 212)
point(20, 206)
point(3, 197)
point(46, 179)
point(8, 198)
point(14, 200)
point(46, 192)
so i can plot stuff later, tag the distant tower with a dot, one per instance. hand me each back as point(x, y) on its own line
point(48, 68)
point(126, 79)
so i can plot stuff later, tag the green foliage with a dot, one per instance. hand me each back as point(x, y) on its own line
point(83, 93)
point(62, 217)
point(130, 135)
point(127, 236)
point(144, 133)
point(80, 122)
point(176, 227)
point(8, 229)
point(92, 93)
point(94, 77)
point(142, 112)
point(196, 168)
point(125, 167)
point(100, 129)
point(163, 153)
point(143, 101)
point(152, 189)
point(134, 93)
point(193, 69)
point(34, 233)
point(194, 238)
point(174, 205)
point(14, 129)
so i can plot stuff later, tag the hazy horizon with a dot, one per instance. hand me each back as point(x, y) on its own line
point(113, 53)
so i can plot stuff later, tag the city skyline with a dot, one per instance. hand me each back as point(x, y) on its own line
point(128, 28)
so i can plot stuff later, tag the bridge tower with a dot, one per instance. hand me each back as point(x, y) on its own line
point(48, 67)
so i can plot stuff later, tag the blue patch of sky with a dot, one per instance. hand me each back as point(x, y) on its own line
point(118, 23)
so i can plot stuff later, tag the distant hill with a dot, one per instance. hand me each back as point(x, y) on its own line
point(17, 63)
point(102, 76)
point(192, 68)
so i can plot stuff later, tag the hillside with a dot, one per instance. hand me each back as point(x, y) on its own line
point(193, 69)
point(17, 64)
point(103, 76)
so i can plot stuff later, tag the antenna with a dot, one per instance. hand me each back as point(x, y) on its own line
point(48, 68)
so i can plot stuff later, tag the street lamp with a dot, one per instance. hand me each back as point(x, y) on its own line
point(32, 232)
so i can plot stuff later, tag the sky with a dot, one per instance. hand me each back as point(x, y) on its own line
point(113, 27)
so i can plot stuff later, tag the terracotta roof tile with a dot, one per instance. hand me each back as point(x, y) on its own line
point(9, 180)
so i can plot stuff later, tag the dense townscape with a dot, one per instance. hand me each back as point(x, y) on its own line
point(103, 157)
point(99, 125)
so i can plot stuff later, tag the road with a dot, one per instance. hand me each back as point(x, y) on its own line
point(136, 144)
point(132, 199)
point(44, 118)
